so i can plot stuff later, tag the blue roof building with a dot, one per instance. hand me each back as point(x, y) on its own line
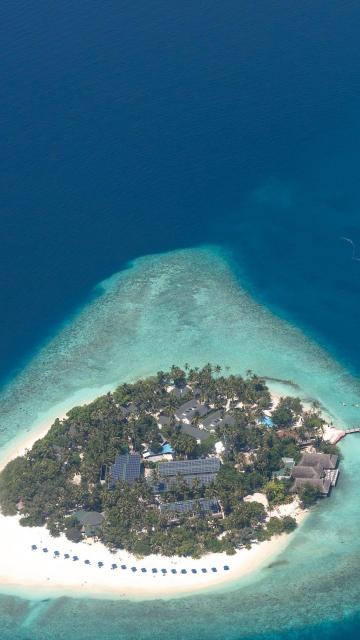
point(167, 448)
point(266, 420)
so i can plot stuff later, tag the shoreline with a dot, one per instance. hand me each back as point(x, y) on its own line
point(19, 564)
point(20, 447)
point(40, 427)
point(23, 570)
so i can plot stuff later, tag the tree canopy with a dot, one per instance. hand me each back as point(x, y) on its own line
point(60, 475)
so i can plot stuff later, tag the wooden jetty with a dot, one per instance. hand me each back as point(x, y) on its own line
point(352, 430)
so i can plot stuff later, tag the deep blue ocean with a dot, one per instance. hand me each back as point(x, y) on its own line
point(137, 127)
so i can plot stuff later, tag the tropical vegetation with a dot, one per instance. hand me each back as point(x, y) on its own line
point(60, 474)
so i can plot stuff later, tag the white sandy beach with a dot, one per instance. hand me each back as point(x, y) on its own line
point(333, 435)
point(21, 446)
point(42, 572)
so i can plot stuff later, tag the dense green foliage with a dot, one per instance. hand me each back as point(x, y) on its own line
point(61, 473)
point(308, 495)
point(276, 492)
point(287, 412)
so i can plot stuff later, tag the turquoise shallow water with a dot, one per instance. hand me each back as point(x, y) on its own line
point(172, 308)
point(184, 306)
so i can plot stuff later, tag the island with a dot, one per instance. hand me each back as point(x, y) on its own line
point(187, 462)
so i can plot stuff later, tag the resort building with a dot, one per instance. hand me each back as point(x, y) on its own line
point(305, 440)
point(125, 469)
point(163, 421)
point(128, 409)
point(90, 521)
point(199, 434)
point(318, 470)
point(166, 453)
point(202, 505)
point(216, 419)
point(104, 471)
point(180, 391)
point(187, 412)
point(201, 471)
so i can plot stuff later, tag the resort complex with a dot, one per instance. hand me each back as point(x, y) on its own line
point(318, 470)
point(186, 462)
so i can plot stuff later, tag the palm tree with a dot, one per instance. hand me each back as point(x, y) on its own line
point(196, 419)
point(155, 476)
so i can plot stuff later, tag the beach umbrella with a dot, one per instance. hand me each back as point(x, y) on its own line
point(114, 566)
point(56, 553)
point(226, 568)
point(75, 558)
point(143, 569)
point(204, 570)
point(193, 571)
point(66, 556)
point(123, 566)
point(100, 564)
point(45, 550)
point(183, 571)
point(154, 570)
point(163, 571)
point(87, 561)
point(34, 547)
point(213, 569)
point(133, 569)
point(173, 571)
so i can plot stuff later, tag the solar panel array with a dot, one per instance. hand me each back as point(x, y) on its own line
point(126, 468)
point(118, 468)
point(203, 479)
point(189, 467)
point(132, 471)
point(187, 506)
